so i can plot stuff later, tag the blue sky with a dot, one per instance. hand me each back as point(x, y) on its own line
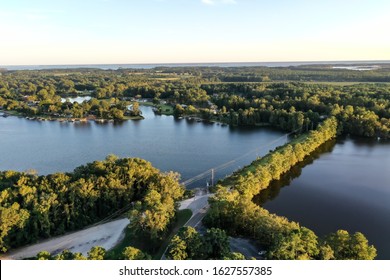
point(164, 31)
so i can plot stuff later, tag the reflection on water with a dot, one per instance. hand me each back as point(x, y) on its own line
point(187, 147)
point(285, 180)
point(344, 185)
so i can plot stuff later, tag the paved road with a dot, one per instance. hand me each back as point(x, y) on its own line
point(198, 217)
point(245, 247)
point(198, 205)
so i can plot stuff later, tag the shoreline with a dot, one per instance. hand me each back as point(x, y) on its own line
point(6, 113)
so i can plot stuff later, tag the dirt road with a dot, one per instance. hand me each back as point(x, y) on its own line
point(104, 235)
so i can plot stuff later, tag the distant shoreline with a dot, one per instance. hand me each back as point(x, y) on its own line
point(206, 64)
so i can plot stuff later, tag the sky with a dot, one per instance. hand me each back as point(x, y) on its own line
point(47, 32)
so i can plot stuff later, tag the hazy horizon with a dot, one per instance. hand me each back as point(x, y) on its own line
point(193, 31)
point(255, 63)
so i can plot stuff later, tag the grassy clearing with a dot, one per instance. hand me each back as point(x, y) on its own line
point(141, 242)
point(165, 109)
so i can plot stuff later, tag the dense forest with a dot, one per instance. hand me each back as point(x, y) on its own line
point(362, 109)
point(312, 101)
point(34, 207)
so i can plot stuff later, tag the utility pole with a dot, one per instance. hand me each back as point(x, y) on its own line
point(212, 177)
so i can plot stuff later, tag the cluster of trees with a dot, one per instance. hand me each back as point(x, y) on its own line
point(96, 253)
point(34, 207)
point(51, 105)
point(188, 244)
point(232, 207)
point(250, 181)
point(286, 120)
point(362, 110)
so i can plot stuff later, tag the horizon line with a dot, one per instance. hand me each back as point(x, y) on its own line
point(213, 62)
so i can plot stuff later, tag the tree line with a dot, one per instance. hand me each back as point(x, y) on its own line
point(361, 109)
point(189, 244)
point(232, 207)
point(96, 253)
point(35, 207)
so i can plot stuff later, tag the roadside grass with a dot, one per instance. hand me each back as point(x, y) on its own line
point(141, 242)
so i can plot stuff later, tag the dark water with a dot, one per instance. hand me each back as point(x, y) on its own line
point(150, 66)
point(188, 147)
point(345, 185)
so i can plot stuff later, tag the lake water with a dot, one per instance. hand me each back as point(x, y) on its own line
point(188, 147)
point(345, 185)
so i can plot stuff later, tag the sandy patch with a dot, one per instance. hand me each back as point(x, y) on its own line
point(105, 235)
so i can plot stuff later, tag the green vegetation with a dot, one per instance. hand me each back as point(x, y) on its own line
point(232, 208)
point(165, 109)
point(96, 253)
point(362, 110)
point(34, 207)
point(317, 103)
point(140, 241)
point(238, 96)
point(127, 249)
point(188, 244)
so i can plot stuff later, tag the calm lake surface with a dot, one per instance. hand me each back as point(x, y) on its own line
point(188, 147)
point(346, 185)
